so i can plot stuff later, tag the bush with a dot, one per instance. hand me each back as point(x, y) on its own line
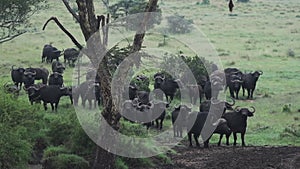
point(120, 164)
point(64, 161)
point(14, 150)
point(125, 8)
point(178, 24)
point(59, 129)
point(198, 66)
point(205, 2)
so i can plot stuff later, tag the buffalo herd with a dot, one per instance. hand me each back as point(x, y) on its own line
point(149, 107)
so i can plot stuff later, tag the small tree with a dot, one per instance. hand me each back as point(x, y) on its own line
point(179, 24)
point(124, 8)
point(14, 17)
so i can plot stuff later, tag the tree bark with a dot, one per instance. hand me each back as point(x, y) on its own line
point(96, 47)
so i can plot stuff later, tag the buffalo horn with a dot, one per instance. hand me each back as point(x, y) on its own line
point(233, 102)
point(252, 110)
point(260, 72)
point(237, 109)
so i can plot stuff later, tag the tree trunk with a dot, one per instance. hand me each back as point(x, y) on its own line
point(96, 46)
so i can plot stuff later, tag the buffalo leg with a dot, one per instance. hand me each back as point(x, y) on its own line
point(206, 142)
point(56, 105)
point(231, 92)
point(220, 139)
point(90, 104)
point(52, 106)
point(190, 139)
point(174, 130)
point(243, 91)
point(227, 139)
point(252, 91)
point(249, 93)
point(234, 139)
point(243, 139)
point(196, 136)
point(45, 106)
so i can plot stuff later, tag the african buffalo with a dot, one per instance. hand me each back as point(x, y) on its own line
point(233, 81)
point(17, 76)
point(34, 93)
point(195, 92)
point(237, 122)
point(214, 85)
point(88, 91)
point(249, 82)
point(168, 86)
point(70, 56)
point(56, 79)
point(31, 74)
point(179, 117)
point(57, 67)
point(50, 53)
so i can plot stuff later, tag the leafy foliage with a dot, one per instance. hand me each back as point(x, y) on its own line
point(63, 161)
point(124, 8)
point(178, 24)
point(198, 66)
point(14, 16)
point(15, 150)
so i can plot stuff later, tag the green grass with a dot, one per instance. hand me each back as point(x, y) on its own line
point(257, 37)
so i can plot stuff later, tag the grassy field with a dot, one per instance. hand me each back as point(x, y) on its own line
point(259, 35)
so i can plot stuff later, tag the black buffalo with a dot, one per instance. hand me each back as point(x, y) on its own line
point(12, 89)
point(71, 55)
point(233, 81)
point(237, 122)
point(56, 79)
point(214, 85)
point(132, 91)
point(32, 74)
point(205, 124)
point(158, 113)
point(17, 76)
point(88, 91)
point(52, 95)
point(92, 75)
point(146, 114)
point(57, 67)
point(168, 86)
point(249, 82)
point(179, 117)
point(33, 93)
point(50, 53)
point(195, 92)
point(217, 106)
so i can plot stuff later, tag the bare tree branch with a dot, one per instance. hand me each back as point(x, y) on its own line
point(64, 30)
point(106, 3)
point(71, 10)
point(8, 38)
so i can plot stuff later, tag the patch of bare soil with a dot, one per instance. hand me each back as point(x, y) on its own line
point(251, 157)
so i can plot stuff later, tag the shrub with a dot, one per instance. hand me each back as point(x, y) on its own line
point(198, 66)
point(14, 150)
point(64, 161)
point(120, 164)
point(59, 129)
point(205, 2)
point(125, 8)
point(178, 24)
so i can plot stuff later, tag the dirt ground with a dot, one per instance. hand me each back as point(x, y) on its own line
point(229, 157)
